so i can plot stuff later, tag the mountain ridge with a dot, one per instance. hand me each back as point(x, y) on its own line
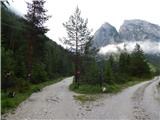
point(130, 30)
point(138, 30)
point(106, 34)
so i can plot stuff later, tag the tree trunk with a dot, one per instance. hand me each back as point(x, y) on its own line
point(30, 55)
point(76, 60)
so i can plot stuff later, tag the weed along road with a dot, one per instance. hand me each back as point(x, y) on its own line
point(139, 102)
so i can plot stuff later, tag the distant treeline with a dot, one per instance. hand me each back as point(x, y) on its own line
point(118, 69)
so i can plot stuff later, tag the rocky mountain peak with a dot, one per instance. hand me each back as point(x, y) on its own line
point(106, 34)
point(139, 30)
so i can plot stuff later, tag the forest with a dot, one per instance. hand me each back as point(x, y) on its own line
point(26, 61)
point(29, 57)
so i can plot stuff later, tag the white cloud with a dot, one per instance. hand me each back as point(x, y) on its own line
point(97, 12)
point(148, 46)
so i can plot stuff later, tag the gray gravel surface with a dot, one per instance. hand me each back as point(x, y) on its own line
point(56, 102)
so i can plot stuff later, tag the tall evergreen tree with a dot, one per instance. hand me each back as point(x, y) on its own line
point(36, 17)
point(4, 3)
point(124, 61)
point(139, 66)
point(108, 72)
point(78, 36)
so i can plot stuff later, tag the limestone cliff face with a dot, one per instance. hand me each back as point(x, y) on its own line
point(105, 35)
point(139, 30)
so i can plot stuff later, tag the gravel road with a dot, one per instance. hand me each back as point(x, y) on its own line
point(139, 102)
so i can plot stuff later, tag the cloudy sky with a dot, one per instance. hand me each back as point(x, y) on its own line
point(97, 12)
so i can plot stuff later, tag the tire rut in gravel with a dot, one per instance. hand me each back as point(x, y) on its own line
point(138, 108)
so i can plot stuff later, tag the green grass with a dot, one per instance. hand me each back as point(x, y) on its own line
point(85, 88)
point(9, 104)
point(84, 98)
point(113, 88)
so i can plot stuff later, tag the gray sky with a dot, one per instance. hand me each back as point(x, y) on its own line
point(97, 12)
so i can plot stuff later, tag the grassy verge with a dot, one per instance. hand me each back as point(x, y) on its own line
point(85, 88)
point(113, 88)
point(8, 104)
point(84, 98)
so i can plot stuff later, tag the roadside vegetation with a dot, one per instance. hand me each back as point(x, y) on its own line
point(109, 88)
point(89, 93)
point(8, 103)
point(116, 73)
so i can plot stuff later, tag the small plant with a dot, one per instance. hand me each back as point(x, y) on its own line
point(36, 89)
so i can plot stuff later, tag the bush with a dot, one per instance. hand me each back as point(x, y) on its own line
point(8, 77)
point(22, 85)
point(89, 72)
point(7, 103)
point(121, 78)
point(38, 74)
point(36, 89)
point(112, 88)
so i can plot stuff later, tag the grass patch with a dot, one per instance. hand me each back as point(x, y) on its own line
point(85, 88)
point(84, 98)
point(8, 104)
point(112, 88)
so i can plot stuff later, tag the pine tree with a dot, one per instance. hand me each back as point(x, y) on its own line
point(139, 66)
point(78, 36)
point(108, 72)
point(36, 17)
point(124, 61)
point(89, 50)
point(5, 3)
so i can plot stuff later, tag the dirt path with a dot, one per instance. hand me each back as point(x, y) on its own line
point(140, 102)
point(138, 107)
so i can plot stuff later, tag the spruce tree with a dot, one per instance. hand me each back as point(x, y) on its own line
point(108, 72)
point(36, 17)
point(139, 66)
point(124, 61)
point(4, 3)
